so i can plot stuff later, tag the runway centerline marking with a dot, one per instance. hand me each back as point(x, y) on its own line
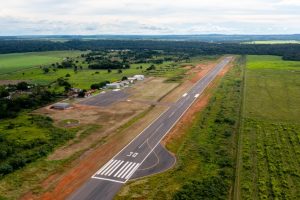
point(151, 135)
point(172, 114)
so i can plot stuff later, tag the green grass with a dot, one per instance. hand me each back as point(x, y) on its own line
point(204, 152)
point(21, 61)
point(83, 78)
point(271, 130)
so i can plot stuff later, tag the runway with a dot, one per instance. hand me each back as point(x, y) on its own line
point(106, 182)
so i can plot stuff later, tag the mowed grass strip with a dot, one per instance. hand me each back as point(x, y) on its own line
point(271, 131)
point(205, 153)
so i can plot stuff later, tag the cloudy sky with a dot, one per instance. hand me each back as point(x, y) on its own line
point(38, 17)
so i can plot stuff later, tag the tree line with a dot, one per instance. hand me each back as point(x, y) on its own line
point(288, 51)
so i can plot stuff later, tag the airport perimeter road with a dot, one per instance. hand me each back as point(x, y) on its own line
point(109, 179)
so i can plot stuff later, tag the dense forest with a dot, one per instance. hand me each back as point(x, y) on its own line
point(288, 51)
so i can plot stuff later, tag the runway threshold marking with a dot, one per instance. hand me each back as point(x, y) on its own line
point(197, 95)
point(117, 171)
point(185, 94)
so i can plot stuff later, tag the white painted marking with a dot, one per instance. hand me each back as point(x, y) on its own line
point(125, 169)
point(114, 168)
point(129, 170)
point(171, 114)
point(108, 167)
point(197, 95)
point(132, 171)
point(158, 128)
point(116, 174)
point(143, 143)
point(102, 168)
point(184, 94)
point(107, 179)
point(151, 135)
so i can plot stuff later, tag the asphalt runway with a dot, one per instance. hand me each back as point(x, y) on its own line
point(105, 99)
point(106, 182)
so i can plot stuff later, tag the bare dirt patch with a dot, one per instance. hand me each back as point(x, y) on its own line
point(12, 82)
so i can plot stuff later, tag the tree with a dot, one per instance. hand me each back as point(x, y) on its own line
point(46, 70)
point(109, 71)
point(22, 86)
point(3, 92)
point(152, 67)
point(75, 68)
point(120, 71)
point(81, 94)
point(68, 75)
point(124, 78)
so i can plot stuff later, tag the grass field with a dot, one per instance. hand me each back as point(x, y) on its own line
point(205, 153)
point(271, 130)
point(22, 61)
point(26, 67)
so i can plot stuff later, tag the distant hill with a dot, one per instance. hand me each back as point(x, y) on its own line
point(203, 38)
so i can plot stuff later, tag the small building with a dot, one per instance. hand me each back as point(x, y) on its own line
point(60, 106)
point(113, 86)
point(139, 77)
point(125, 82)
point(131, 79)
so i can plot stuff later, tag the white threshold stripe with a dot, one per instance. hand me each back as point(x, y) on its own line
point(102, 168)
point(184, 94)
point(125, 169)
point(134, 169)
point(113, 168)
point(116, 174)
point(129, 170)
point(108, 167)
point(116, 168)
point(107, 179)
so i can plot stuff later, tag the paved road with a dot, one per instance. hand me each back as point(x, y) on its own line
point(106, 182)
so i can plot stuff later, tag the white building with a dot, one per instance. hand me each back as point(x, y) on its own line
point(139, 77)
point(131, 79)
point(113, 86)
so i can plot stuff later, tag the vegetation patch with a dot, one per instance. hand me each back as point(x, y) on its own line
point(26, 139)
point(271, 130)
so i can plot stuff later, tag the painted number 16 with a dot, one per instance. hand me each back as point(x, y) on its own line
point(132, 154)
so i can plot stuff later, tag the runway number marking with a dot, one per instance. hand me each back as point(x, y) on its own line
point(132, 154)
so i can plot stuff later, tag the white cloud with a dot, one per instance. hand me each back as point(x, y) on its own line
point(148, 17)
